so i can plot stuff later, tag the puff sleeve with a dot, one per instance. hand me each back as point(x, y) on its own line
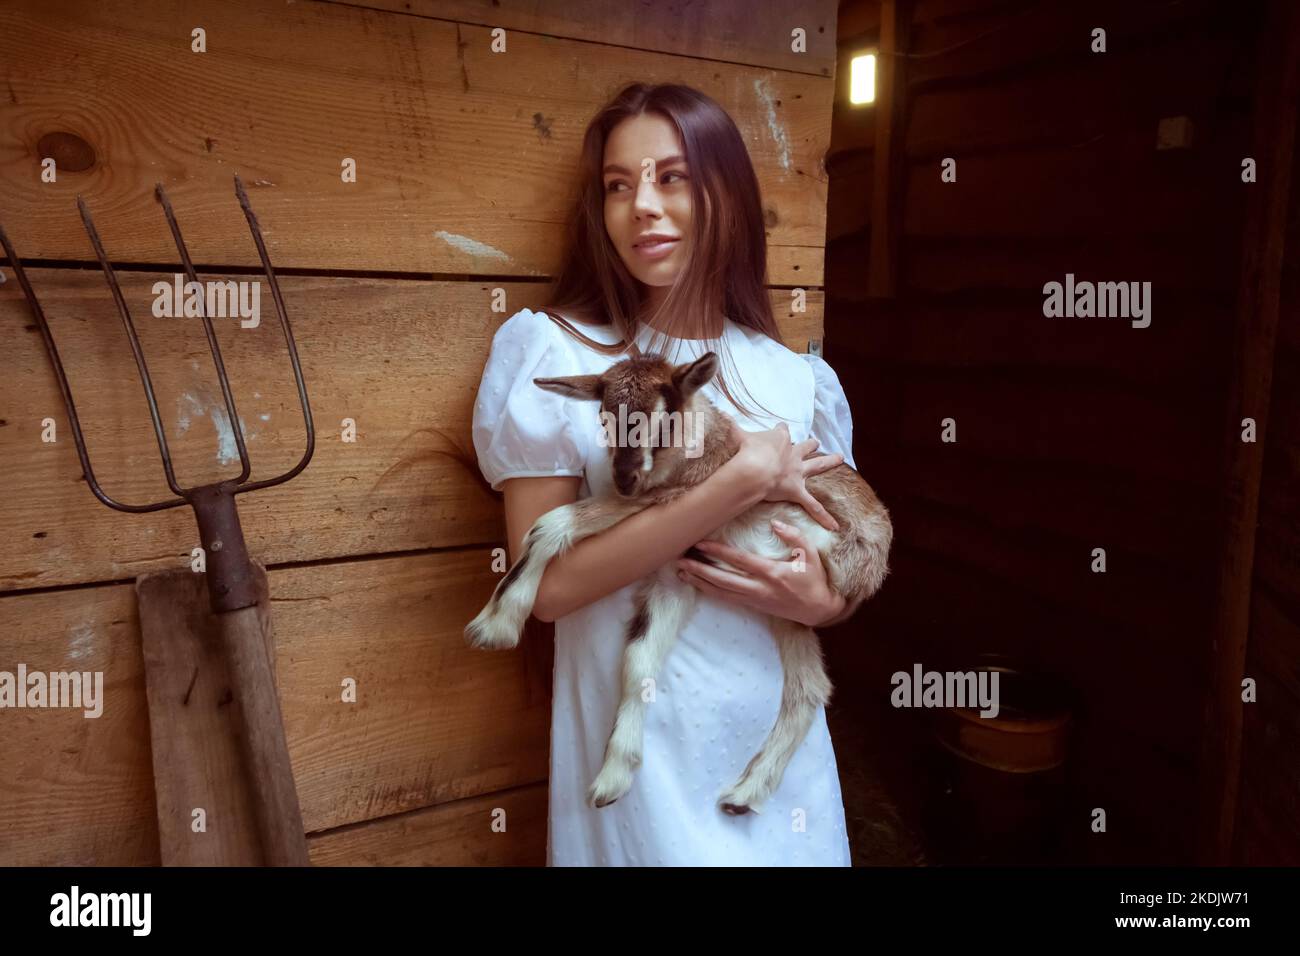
point(832, 423)
point(520, 430)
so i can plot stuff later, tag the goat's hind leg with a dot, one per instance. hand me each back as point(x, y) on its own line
point(499, 624)
point(661, 607)
point(806, 688)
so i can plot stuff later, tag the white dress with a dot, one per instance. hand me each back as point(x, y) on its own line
point(720, 689)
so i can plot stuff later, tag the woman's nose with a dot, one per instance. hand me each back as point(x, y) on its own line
point(647, 199)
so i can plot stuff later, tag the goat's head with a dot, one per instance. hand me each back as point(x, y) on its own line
point(651, 415)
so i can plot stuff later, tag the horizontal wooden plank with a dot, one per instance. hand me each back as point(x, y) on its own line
point(507, 828)
point(796, 266)
point(965, 335)
point(1118, 185)
point(1019, 38)
point(462, 153)
point(1205, 267)
point(1205, 263)
point(433, 721)
point(1093, 425)
point(400, 358)
point(981, 613)
point(755, 33)
point(1121, 511)
point(1127, 89)
point(987, 611)
point(1137, 595)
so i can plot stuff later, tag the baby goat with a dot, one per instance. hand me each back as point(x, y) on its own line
point(654, 470)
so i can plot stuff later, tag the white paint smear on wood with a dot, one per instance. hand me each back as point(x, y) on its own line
point(774, 128)
point(471, 246)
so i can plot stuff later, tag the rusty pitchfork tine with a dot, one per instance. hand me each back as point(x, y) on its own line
point(111, 278)
point(66, 391)
point(283, 315)
point(213, 347)
point(230, 574)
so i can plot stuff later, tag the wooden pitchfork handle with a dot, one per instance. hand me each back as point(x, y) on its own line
point(261, 740)
point(233, 594)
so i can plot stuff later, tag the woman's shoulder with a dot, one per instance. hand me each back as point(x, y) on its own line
point(538, 328)
point(526, 326)
point(795, 368)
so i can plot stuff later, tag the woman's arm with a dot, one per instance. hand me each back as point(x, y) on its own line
point(631, 549)
point(795, 590)
point(767, 467)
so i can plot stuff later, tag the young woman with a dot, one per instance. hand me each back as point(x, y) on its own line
point(667, 249)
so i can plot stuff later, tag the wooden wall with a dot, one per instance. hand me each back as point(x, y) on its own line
point(1267, 830)
point(380, 551)
point(1072, 434)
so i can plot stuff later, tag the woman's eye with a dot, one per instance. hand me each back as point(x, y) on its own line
point(613, 186)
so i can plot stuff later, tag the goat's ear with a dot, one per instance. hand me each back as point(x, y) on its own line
point(695, 375)
point(572, 386)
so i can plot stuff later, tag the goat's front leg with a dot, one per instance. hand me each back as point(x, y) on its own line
point(501, 621)
point(660, 609)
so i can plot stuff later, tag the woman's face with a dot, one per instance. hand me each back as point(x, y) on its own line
point(647, 192)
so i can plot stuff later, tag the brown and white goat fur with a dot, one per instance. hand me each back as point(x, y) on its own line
point(654, 471)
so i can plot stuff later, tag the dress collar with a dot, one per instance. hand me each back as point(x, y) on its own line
point(648, 335)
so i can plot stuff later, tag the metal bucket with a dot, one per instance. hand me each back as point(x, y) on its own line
point(998, 783)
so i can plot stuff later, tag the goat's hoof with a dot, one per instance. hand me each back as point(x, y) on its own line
point(741, 799)
point(610, 784)
point(490, 636)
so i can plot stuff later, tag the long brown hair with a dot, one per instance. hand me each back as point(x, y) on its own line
point(726, 272)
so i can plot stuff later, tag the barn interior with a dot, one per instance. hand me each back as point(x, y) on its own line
point(1051, 250)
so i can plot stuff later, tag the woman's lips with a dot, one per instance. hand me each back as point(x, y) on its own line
point(655, 249)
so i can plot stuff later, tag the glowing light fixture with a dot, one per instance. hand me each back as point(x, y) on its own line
point(862, 79)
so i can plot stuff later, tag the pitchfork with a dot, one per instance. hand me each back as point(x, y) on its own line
point(231, 579)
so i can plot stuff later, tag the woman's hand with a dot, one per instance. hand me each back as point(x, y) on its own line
point(797, 590)
point(781, 467)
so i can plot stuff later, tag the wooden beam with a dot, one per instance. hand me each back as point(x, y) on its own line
point(756, 33)
point(886, 194)
point(1250, 388)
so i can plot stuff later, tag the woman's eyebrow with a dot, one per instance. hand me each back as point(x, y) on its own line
point(666, 161)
